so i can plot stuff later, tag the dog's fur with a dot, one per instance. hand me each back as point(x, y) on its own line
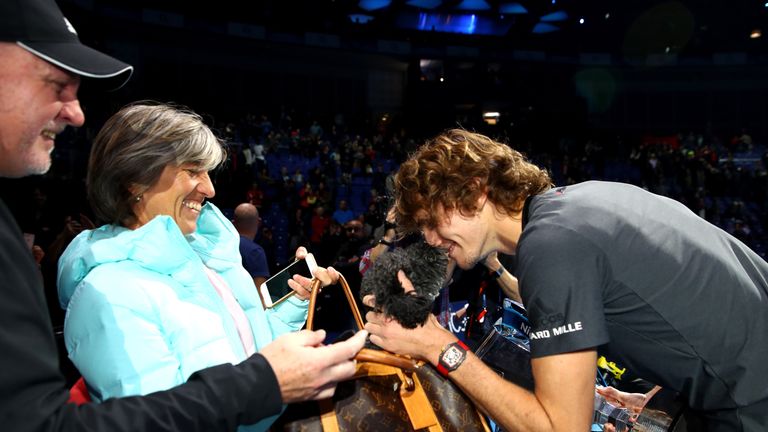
point(424, 265)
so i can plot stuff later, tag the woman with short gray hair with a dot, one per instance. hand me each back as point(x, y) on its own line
point(133, 148)
point(160, 292)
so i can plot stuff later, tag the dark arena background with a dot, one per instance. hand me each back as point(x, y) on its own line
point(668, 95)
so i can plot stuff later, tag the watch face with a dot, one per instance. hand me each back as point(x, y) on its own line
point(453, 356)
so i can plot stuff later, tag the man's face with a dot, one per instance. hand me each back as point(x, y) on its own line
point(463, 237)
point(37, 101)
point(354, 229)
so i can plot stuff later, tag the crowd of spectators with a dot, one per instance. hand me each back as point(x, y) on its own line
point(723, 181)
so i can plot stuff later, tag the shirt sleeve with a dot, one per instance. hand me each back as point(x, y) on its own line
point(562, 276)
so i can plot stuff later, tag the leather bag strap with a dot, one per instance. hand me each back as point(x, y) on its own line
point(365, 354)
point(347, 293)
point(417, 405)
point(328, 416)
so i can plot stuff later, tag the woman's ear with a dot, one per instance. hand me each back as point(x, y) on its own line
point(134, 190)
point(132, 220)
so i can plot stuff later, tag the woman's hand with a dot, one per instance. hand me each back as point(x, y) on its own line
point(303, 285)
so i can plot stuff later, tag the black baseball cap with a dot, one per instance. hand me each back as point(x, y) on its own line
point(39, 27)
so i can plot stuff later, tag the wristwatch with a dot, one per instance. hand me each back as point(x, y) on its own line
point(451, 357)
point(496, 273)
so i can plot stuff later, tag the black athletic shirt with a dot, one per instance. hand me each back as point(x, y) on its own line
point(647, 282)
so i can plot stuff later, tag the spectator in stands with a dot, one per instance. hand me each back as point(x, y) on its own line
point(284, 174)
point(354, 246)
point(258, 156)
point(160, 292)
point(255, 195)
point(41, 62)
point(254, 259)
point(373, 217)
point(315, 130)
point(323, 194)
point(267, 242)
point(343, 214)
point(601, 266)
point(307, 196)
point(318, 226)
point(265, 125)
point(299, 227)
point(379, 178)
point(329, 244)
point(298, 177)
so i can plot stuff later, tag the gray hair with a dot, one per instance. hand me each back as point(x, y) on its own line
point(133, 148)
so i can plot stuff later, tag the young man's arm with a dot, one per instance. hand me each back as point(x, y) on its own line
point(563, 399)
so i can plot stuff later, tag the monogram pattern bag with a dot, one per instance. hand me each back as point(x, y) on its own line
point(388, 392)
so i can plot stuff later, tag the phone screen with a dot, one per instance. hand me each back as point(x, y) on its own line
point(276, 288)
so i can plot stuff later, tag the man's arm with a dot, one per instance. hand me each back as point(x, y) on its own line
point(563, 399)
point(215, 399)
point(506, 280)
point(33, 396)
point(388, 239)
point(634, 402)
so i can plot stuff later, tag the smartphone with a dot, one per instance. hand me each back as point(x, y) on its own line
point(275, 289)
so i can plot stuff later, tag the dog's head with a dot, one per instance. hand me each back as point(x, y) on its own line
point(424, 265)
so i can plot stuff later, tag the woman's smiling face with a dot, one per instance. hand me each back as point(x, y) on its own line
point(178, 193)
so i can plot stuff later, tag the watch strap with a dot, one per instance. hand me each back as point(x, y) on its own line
point(496, 273)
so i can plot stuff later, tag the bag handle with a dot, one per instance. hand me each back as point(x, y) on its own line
point(365, 354)
point(315, 290)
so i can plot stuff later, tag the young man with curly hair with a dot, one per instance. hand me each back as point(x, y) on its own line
point(602, 267)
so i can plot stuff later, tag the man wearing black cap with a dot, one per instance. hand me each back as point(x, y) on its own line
point(41, 64)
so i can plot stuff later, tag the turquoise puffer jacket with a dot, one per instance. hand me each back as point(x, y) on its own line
point(142, 315)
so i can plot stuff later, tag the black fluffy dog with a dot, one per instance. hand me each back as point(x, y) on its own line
point(424, 265)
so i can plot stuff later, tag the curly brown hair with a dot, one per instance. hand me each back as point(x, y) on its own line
point(452, 170)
